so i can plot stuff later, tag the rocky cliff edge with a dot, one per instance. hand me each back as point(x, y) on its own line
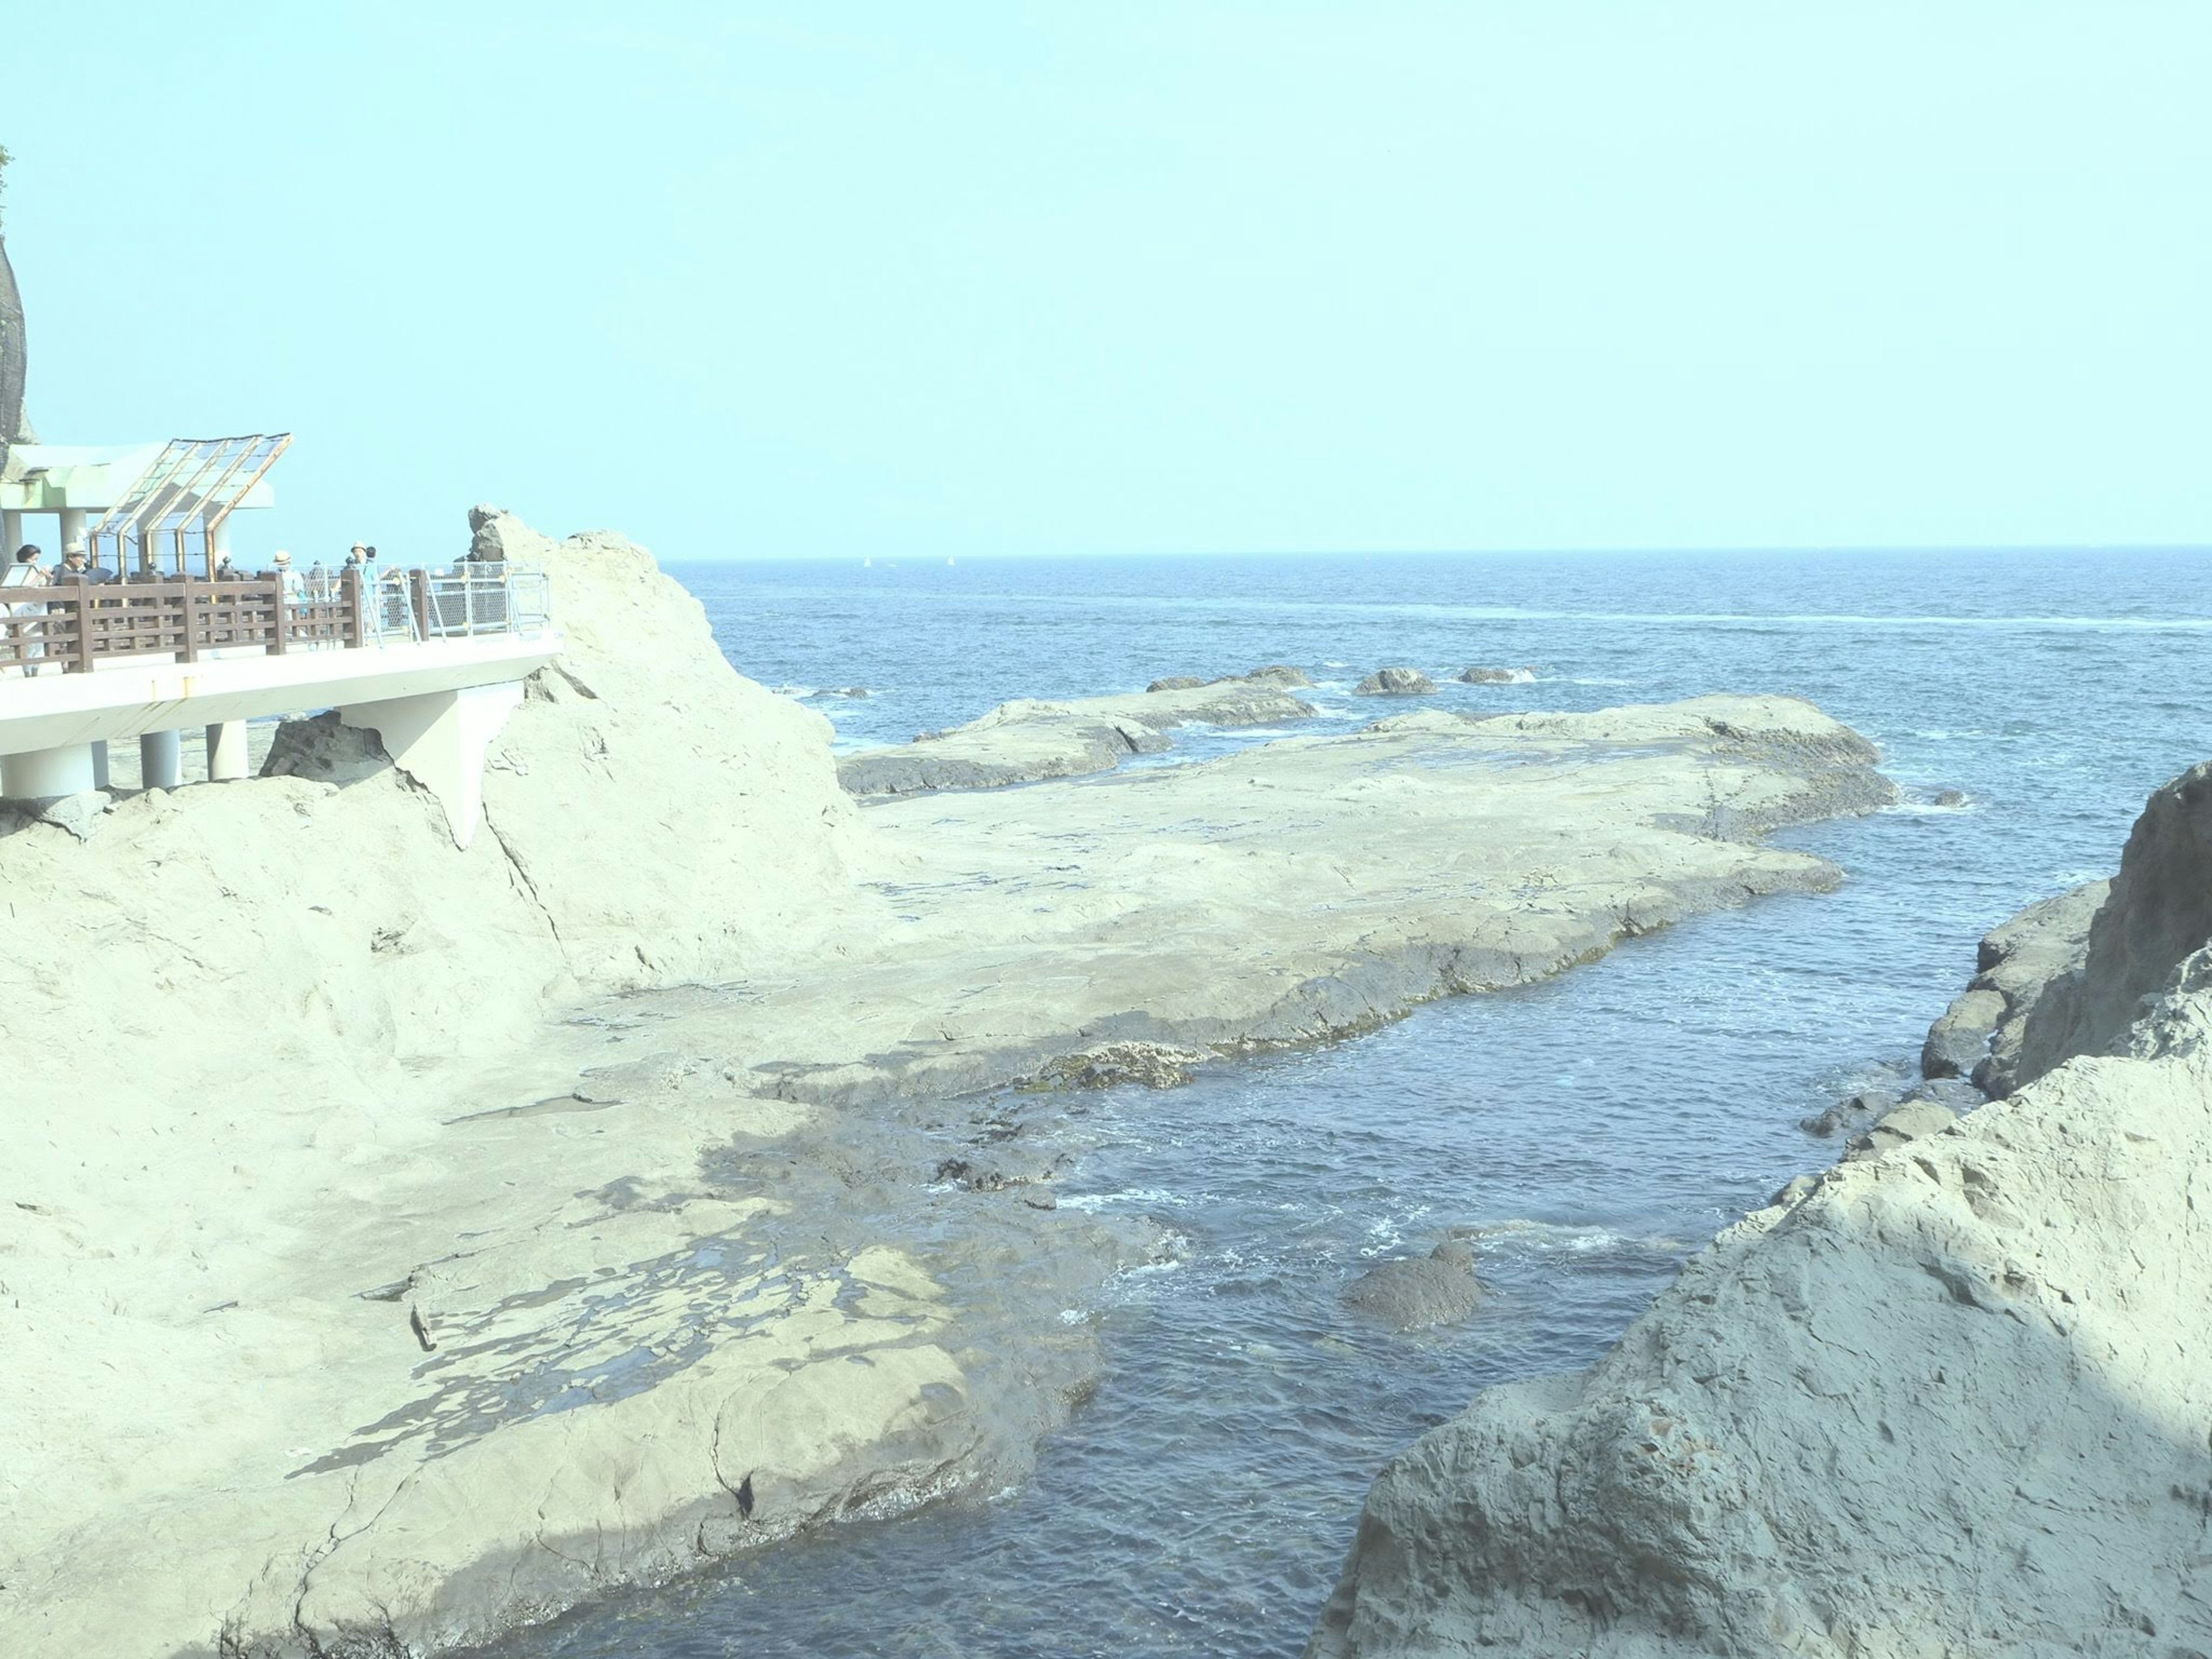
point(1952, 1400)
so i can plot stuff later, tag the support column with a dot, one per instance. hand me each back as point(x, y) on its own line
point(11, 534)
point(162, 760)
point(226, 751)
point(43, 774)
point(72, 531)
point(440, 740)
point(219, 549)
point(99, 763)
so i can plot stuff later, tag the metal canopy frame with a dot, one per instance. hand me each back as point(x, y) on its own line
point(194, 481)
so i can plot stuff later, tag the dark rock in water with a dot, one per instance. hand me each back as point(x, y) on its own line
point(1395, 683)
point(1415, 1294)
point(326, 750)
point(1498, 676)
point(1155, 1065)
point(1859, 1109)
point(997, 1173)
point(1279, 673)
point(1177, 682)
point(1954, 1092)
point(1950, 798)
point(1957, 1041)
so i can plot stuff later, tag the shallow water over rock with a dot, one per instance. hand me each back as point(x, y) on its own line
point(1582, 1135)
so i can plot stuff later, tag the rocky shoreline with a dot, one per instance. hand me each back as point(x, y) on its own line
point(440, 1238)
point(1947, 1396)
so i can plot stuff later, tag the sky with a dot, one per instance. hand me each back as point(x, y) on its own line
point(1147, 276)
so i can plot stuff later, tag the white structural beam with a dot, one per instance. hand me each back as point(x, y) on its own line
point(137, 696)
point(440, 739)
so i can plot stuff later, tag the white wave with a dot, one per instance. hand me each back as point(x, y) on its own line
point(1094, 1202)
point(1546, 1236)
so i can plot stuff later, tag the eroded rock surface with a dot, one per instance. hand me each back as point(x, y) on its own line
point(1935, 1399)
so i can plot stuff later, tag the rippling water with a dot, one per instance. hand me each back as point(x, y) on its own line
point(1594, 1129)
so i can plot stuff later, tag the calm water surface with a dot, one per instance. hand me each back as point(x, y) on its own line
point(1596, 1129)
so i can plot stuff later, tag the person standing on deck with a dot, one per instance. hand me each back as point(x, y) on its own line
point(75, 567)
point(25, 573)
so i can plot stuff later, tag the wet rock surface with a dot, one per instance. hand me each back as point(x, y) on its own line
point(1420, 1293)
point(1395, 683)
point(1027, 741)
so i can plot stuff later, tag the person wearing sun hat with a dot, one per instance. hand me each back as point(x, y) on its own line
point(293, 586)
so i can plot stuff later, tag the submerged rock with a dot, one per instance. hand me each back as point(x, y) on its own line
point(1395, 683)
point(1154, 1064)
point(1418, 1292)
point(1851, 1112)
point(1498, 676)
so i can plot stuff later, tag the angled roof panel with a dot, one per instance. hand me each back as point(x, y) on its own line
point(192, 481)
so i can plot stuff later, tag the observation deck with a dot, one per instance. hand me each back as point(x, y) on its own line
point(432, 660)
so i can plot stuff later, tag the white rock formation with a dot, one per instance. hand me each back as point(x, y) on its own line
point(399, 1244)
point(1950, 1399)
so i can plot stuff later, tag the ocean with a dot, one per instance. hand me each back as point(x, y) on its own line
point(1593, 1130)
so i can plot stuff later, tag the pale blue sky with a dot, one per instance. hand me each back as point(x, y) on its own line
point(975, 278)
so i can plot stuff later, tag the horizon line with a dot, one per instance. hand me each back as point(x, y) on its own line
point(1727, 551)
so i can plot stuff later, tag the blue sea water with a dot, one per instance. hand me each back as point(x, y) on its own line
point(1594, 1129)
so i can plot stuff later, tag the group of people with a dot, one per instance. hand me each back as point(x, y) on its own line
point(28, 569)
point(75, 567)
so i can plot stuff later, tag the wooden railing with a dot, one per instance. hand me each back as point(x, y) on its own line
point(75, 625)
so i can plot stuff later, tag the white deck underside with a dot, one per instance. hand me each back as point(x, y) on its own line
point(52, 708)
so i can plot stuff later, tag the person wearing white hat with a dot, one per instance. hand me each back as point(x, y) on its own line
point(295, 586)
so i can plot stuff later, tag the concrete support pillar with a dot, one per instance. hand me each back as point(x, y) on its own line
point(72, 531)
point(226, 751)
point(440, 739)
point(43, 774)
point(11, 534)
point(99, 763)
point(162, 760)
point(219, 549)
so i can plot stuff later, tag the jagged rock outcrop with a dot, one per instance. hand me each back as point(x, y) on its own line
point(1933, 1401)
point(1498, 676)
point(2158, 913)
point(1395, 683)
point(1978, 1036)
